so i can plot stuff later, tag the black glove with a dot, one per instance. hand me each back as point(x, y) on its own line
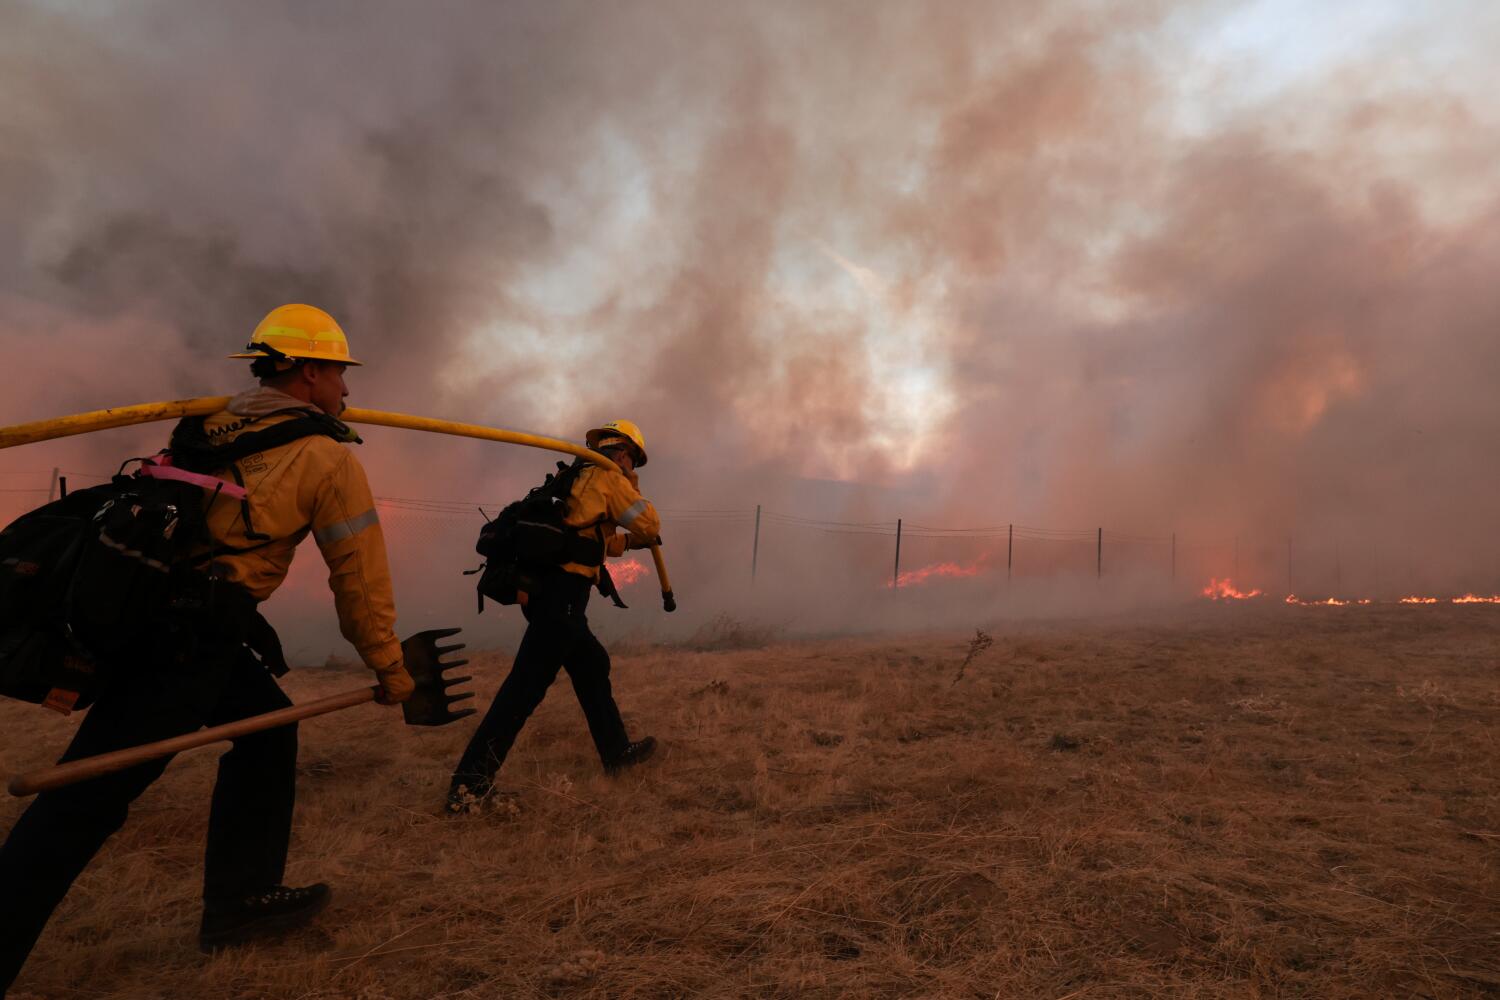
point(266, 645)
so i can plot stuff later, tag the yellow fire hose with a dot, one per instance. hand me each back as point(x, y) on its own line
point(145, 413)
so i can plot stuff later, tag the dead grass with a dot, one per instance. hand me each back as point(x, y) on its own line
point(725, 632)
point(1250, 802)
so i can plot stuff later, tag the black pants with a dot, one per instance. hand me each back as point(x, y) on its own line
point(193, 673)
point(557, 636)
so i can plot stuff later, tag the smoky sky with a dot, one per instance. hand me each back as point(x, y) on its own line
point(1049, 263)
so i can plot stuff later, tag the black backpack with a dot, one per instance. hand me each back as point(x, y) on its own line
point(528, 538)
point(87, 577)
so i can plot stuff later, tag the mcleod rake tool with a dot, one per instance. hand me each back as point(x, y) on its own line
point(431, 704)
point(145, 413)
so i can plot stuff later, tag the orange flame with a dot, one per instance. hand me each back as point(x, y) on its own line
point(627, 572)
point(1224, 590)
point(916, 576)
point(1334, 602)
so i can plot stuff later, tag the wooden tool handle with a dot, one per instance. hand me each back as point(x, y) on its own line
point(668, 601)
point(108, 763)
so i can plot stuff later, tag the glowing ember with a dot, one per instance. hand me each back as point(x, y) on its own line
point(1332, 602)
point(916, 576)
point(1224, 590)
point(1418, 600)
point(1477, 599)
point(627, 572)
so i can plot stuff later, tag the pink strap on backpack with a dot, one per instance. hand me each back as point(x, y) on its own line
point(157, 470)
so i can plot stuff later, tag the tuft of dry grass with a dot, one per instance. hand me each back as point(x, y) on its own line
point(982, 641)
point(724, 632)
point(1244, 802)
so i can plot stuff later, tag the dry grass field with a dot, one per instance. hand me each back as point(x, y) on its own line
point(1236, 802)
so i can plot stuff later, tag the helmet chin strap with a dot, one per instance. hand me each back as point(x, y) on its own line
point(282, 362)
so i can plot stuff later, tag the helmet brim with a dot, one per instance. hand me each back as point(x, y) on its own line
point(340, 360)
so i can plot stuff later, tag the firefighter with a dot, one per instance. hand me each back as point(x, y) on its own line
point(557, 630)
point(199, 668)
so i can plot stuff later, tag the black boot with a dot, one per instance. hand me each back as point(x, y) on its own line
point(633, 754)
point(263, 915)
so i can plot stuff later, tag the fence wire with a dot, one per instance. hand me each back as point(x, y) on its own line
point(767, 543)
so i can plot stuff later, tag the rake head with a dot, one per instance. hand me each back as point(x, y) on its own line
point(431, 704)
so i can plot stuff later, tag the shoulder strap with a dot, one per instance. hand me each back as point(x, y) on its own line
point(558, 485)
point(191, 449)
point(562, 483)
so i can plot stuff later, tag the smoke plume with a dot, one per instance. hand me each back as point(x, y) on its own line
point(966, 264)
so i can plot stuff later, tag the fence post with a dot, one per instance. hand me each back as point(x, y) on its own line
point(52, 486)
point(1099, 554)
point(1010, 548)
point(896, 574)
point(755, 546)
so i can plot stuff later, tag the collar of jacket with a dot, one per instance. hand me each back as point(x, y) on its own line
point(634, 479)
point(262, 401)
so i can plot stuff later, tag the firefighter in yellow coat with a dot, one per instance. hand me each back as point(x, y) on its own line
point(557, 630)
point(199, 669)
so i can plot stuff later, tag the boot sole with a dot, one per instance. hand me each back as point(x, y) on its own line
point(265, 927)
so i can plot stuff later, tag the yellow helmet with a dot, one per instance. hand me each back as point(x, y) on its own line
point(620, 429)
point(305, 333)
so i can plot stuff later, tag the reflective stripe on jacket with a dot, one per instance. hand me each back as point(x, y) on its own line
point(604, 499)
point(312, 485)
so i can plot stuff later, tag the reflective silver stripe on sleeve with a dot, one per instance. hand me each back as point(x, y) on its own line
point(632, 512)
point(346, 529)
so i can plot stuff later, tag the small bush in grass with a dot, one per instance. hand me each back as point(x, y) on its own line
point(725, 632)
point(982, 640)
